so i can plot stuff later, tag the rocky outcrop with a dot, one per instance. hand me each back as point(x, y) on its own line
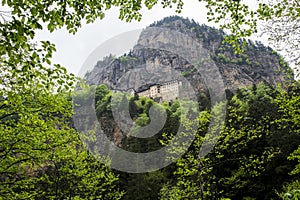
point(146, 66)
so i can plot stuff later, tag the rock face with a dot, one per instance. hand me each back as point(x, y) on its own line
point(142, 67)
point(182, 51)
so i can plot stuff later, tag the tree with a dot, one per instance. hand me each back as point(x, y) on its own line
point(249, 159)
point(242, 19)
point(283, 30)
point(289, 102)
point(41, 155)
point(35, 121)
point(38, 143)
point(35, 133)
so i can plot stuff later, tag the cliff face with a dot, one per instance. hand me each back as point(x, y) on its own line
point(145, 66)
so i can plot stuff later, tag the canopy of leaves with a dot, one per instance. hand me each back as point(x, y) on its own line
point(42, 158)
point(252, 158)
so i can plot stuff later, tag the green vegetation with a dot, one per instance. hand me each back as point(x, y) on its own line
point(189, 72)
point(41, 156)
point(254, 157)
point(126, 59)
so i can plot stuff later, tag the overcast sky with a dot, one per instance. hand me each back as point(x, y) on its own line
point(73, 50)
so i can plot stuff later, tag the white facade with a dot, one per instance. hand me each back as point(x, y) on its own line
point(145, 93)
point(167, 91)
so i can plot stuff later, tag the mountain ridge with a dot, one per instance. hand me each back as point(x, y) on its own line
point(257, 64)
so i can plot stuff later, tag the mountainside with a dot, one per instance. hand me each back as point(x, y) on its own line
point(253, 135)
point(258, 63)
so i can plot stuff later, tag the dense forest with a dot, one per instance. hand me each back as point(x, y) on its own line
point(256, 156)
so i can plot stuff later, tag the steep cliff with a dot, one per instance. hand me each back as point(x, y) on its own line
point(258, 63)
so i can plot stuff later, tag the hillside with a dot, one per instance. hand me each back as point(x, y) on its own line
point(256, 137)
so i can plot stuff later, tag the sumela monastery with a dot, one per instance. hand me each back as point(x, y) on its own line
point(166, 91)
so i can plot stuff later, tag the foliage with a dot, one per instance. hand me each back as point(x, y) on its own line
point(250, 157)
point(146, 185)
point(291, 191)
point(283, 30)
point(289, 108)
point(41, 155)
point(241, 19)
point(143, 186)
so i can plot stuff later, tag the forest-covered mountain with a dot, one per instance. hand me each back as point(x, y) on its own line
point(258, 63)
point(49, 146)
point(256, 155)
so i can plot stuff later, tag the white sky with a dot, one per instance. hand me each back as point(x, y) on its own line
point(73, 50)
